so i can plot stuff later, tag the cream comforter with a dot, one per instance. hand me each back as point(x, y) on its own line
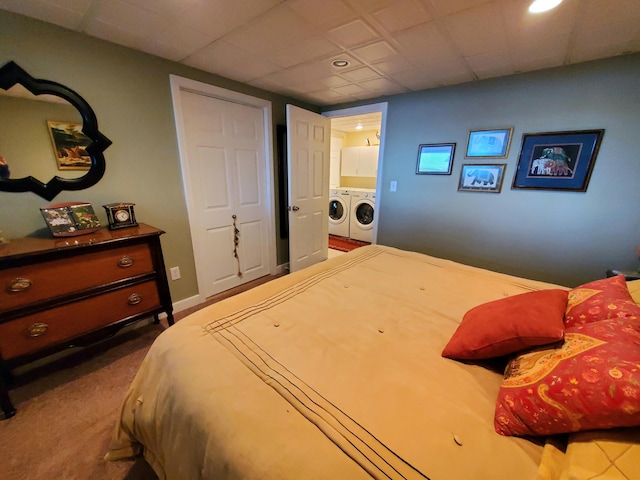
point(333, 372)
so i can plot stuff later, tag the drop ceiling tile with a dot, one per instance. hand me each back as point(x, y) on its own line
point(304, 51)
point(353, 33)
point(326, 15)
point(382, 85)
point(491, 64)
point(375, 52)
point(177, 42)
point(129, 22)
point(604, 12)
point(334, 81)
point(114, 34)
point(275, 30)
point(470, 33)
point(447, 7)
point(67, 14)
point(605, 41)
point(616, 35)
point(350, 89)
point(401, 15)
point(230, 61)
point(393, 65)
point(368, 6)
point(544, 52)
point(422, 41)
point(417, 79)
point(328, 96)
point(220, 17)
point(362, 73)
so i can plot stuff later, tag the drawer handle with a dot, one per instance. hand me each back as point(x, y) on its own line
point(19, 284)
point(134, 299)
point(125, 262)
point(37, 329)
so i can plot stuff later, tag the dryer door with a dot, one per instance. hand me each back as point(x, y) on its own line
point(364, 214)
point(337, 210)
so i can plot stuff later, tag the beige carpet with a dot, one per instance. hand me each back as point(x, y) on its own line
point(67, 411)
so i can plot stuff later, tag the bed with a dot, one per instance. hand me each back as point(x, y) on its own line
point(337, 372)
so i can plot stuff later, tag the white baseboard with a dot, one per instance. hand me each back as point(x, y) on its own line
point(186, 303)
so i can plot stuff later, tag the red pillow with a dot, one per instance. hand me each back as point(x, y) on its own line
point(599, 300)
point(591, 382)
point(509, 325)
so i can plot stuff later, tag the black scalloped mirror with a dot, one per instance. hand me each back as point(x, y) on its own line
point(11, 75)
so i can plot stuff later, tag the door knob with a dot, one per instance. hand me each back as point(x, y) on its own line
point(294, 208)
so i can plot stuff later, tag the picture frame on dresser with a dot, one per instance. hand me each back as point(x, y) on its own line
point(69, 219)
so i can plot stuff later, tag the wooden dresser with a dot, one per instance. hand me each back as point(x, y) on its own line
point(63, 292)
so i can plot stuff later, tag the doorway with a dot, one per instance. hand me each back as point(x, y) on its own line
point(358, 172)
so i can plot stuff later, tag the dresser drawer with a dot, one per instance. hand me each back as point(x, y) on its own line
point(29, 284)
point(33, 332)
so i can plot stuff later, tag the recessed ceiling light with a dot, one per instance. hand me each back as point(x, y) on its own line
point(359, 126)
point(539, 6)
point(340, 63)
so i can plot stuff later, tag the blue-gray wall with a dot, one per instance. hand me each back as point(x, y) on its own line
point(562, 237)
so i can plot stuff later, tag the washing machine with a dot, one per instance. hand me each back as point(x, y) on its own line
point(339, 212)
point(363, 204)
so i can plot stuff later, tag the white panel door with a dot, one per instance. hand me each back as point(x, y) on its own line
point(308, 150)
point(226, 156)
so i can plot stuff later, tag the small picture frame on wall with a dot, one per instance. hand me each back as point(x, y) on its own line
point(485, 177)
point(557, 160)
point(489, 143)
point(435, 159)
point(69, 145)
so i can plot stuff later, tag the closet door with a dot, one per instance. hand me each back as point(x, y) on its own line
point(229, 215)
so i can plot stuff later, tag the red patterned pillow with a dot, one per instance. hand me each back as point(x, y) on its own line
point(599, 300)
point(509, 325)
point(591, 382)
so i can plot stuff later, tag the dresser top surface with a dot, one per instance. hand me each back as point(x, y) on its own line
point(30, 245)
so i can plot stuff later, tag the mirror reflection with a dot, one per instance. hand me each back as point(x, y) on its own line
point(33, 140)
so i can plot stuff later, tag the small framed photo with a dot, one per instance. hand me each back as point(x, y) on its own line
point(490, 143)
point(69, 219)
point(481, 177)
point(435, 159)
point(557, 160)
point(69, 145)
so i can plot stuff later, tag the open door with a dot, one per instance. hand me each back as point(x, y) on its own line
point(308, 152)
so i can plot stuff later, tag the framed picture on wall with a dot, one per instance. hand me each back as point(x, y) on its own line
point(489, 143)
point(557, 160)
point(69, 145)
point(435, 159)
point(485, 177)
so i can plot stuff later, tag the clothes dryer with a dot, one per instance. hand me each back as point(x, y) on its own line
point(363, 204)
point(339, 212)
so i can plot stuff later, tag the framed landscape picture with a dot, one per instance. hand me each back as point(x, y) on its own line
point(490, 143)
point(557, 160)
point(486, 177)
point(435, 159)
point(69, 145)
